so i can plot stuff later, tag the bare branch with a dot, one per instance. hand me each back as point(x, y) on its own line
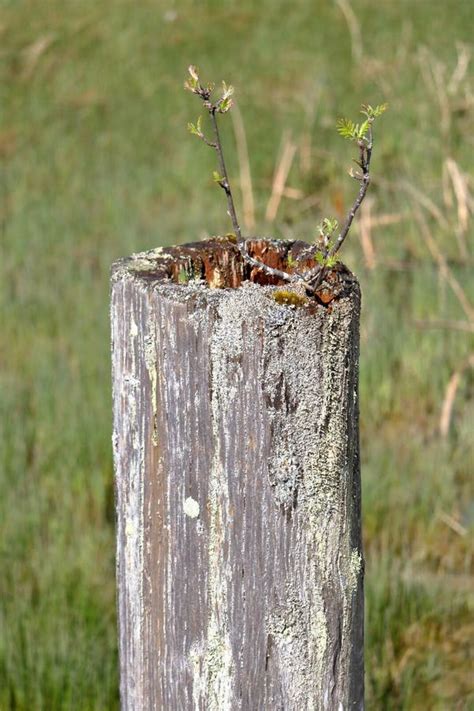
point(270, 271)
point(225, 182)
point(365, 150)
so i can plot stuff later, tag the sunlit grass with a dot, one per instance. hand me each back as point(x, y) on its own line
point(95, 164)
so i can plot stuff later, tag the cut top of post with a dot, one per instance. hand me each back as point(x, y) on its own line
point(218, 264)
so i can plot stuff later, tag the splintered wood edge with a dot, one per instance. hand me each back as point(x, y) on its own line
point(218, 264)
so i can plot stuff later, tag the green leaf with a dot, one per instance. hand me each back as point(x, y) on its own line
point(363, 128)
point(224, 105)
point(332, 261)
point(347, 128)
point(372, 112)
point(328, 226)
point(216, 177)
point(195, 129)
point(380, 109)
point(329, 261)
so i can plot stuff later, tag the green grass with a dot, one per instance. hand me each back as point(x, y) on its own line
point(95, 164)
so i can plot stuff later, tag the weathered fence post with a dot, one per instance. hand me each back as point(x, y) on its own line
point(240, 573)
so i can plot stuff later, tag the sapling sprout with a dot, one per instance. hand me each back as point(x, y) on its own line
point(330, 235)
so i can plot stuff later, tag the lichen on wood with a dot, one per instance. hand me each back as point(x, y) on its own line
point(238, 491)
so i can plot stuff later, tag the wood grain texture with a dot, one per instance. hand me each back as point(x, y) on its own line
point(239, 559)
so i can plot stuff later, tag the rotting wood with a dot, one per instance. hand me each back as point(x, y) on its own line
point(239, 558)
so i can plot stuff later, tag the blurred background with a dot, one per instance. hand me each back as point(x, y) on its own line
point(96, 163)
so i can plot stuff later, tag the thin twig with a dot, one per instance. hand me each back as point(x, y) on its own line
point(224, 182)
point(315, 276)
point(365, 156)
point(270, 271)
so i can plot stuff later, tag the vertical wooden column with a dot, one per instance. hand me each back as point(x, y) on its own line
point(239, 559)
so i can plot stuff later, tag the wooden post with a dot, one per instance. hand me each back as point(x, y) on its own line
point(239, 558)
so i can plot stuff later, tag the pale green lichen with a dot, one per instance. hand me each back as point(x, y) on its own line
point(287, 626)
point(355, 567)
point(151, 366)
point(196, 659)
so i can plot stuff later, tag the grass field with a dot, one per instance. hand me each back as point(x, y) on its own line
point(96, 164)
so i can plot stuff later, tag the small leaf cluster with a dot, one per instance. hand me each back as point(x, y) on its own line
point(330, 236)
point(327, 227)
point(194, 85)
point(195, 128)
point(223, 103)
point(358, 131)
point(326, 260)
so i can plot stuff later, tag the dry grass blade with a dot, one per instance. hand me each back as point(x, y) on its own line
point(442, 324)
point(33, 53)
point(354, 29)
point(309, 105)
point(365, 233)
point(309, 202)
point(293, 193)
point(389, 219)
point(434, 76)
point(450, 396)
point(457, 77)
point(461, 191)
point(248, 202)
point(280, 178)
point(425, 201)
point(439, 257)
point(453, 524)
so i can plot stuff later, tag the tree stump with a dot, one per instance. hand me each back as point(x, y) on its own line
point(239, 556)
